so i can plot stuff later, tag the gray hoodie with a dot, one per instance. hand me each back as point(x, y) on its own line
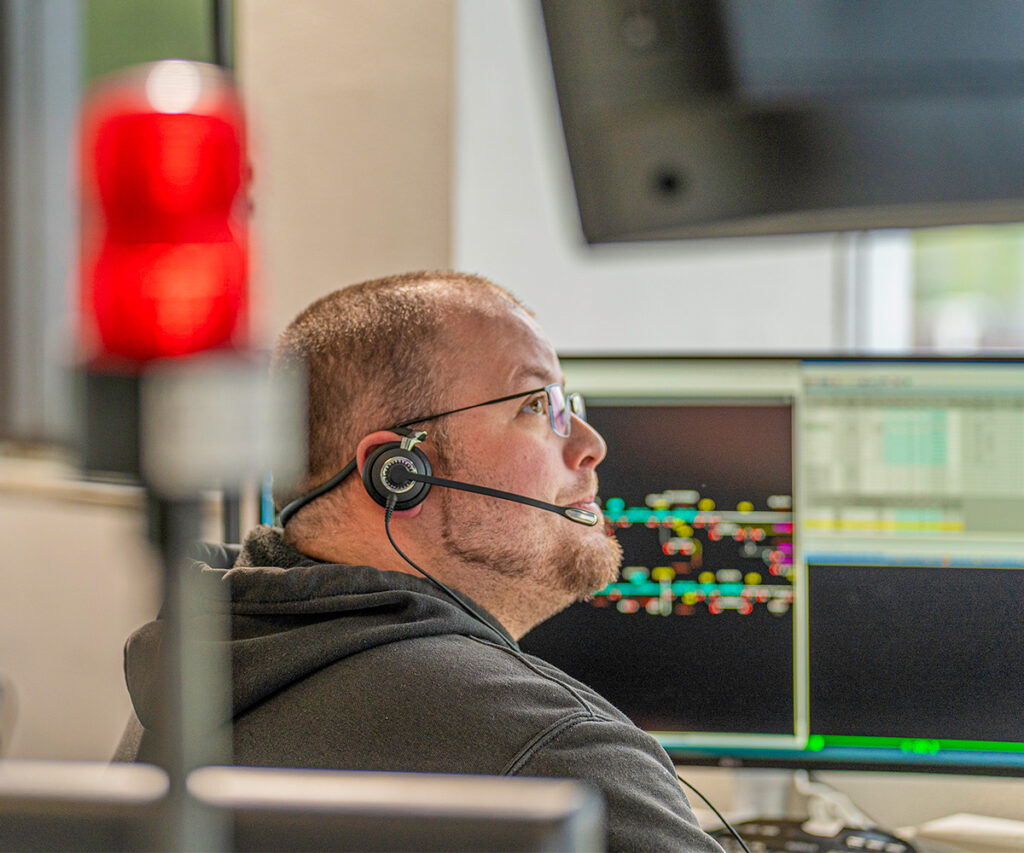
point(348, 667)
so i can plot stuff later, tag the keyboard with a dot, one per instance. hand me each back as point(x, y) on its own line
point(789, 836)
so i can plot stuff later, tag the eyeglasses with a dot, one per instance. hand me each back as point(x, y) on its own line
point(560, 407)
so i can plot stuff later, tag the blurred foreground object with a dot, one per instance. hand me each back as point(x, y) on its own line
point(164, 237)
point(164, 325)
point(172, 392)
point(164, 269)
point(79, 806)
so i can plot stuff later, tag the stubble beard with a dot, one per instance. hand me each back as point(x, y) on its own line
point(520, 544)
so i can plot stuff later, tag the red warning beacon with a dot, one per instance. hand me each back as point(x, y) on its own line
point(164, 236)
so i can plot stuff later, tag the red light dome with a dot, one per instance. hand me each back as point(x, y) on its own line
point(164, 262)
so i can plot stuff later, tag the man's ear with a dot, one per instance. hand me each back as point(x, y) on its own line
point(365, 449)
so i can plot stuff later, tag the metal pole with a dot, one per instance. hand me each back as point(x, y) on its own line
point(196, 724)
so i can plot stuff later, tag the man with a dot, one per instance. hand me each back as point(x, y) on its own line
point(344, 654)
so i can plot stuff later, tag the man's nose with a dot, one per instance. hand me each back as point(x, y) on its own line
point(584, 447)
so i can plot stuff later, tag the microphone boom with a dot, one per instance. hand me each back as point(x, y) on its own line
point(399, 475)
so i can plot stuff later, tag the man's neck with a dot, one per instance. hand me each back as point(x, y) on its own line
point(517, 603)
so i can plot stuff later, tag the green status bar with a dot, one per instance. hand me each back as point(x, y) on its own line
point(916, 746)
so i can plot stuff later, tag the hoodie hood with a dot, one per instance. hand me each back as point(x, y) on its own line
point(292, 615)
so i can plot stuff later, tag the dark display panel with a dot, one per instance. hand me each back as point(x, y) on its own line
point(928, 653)
point(698, 633)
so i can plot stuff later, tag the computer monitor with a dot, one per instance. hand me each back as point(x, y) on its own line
point(319, 810)
point(79, 805)
point(822, 559)
point(95, 806)
point(711, 118)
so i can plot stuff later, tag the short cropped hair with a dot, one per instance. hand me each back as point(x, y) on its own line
point(374, 355)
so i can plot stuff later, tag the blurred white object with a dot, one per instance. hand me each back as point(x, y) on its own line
point(214, 421)
point(971, 833)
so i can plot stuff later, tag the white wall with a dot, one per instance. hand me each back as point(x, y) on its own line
point(350, 111)
point(76, 578)
point(515, 222)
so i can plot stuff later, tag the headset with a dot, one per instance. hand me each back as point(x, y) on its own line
point(400, 470)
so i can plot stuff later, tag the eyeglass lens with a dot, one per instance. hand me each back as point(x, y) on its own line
point(562, 408)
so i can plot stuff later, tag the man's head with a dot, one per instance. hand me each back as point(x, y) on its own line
point(391, 350)
point(375, 354)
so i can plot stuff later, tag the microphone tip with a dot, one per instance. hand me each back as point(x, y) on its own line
point(581, 516)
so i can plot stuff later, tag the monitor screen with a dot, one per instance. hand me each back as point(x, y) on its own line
point(822, 559)
point(735, 117)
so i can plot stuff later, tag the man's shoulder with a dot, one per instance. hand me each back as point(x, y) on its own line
point(444, 703)
point(482, 693)
point(542, 722)
point(487, 675)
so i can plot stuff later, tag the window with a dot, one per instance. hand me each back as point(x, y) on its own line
point(955, 290)
point(968, 288)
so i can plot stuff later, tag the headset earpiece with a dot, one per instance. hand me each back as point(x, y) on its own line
point(380, 488)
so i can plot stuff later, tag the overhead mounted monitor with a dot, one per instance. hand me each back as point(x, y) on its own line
point(739, 117)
